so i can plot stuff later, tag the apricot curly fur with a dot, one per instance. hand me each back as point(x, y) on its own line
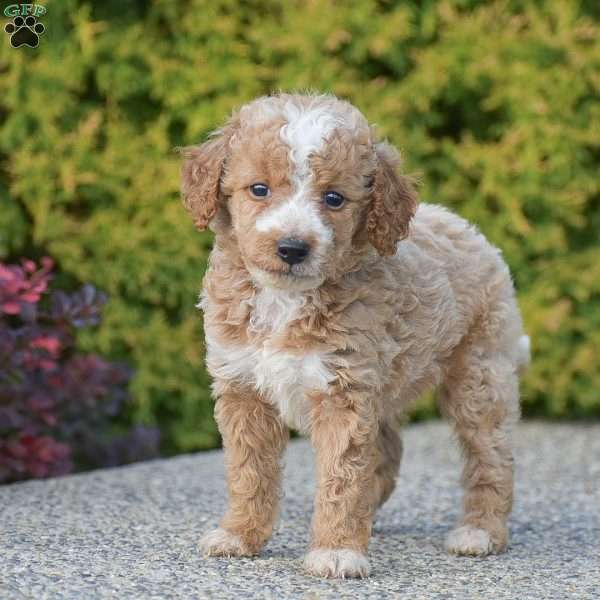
point(394, 202)
point(391, 300)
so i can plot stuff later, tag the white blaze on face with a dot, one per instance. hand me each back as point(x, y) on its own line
point(305, 132)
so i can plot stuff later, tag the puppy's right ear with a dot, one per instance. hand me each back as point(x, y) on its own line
point(201, 176)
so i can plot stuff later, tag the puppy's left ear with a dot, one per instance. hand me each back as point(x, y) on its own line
point(201, 175)
point(393, 203)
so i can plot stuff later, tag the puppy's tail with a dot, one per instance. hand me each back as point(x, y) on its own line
point(523, 353)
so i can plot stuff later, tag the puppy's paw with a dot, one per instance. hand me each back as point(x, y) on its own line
point(469, 541)
point(337, 563)
point(220, 542)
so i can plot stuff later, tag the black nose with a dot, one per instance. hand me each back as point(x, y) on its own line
point(292, 251)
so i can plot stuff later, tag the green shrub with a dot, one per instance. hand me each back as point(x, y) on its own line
point(495, 105)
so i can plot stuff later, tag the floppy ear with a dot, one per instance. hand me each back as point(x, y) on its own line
point(393, 204)
point(201, 176)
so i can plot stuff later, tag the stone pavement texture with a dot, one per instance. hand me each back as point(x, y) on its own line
point(132, 532)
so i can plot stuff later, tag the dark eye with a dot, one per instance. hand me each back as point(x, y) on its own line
point(259, 190)
point(334, 200)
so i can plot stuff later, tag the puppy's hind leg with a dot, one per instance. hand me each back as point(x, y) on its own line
point(480, 396)
point(389, 456)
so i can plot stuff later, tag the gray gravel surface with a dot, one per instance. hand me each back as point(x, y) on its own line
point(132, 532)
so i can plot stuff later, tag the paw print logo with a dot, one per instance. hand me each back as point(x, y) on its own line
point(24, 32)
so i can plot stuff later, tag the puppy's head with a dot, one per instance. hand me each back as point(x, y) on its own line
point(301, 186)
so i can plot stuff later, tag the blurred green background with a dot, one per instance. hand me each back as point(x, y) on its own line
point(494, 105)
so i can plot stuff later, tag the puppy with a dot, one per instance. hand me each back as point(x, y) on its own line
point(331, 302)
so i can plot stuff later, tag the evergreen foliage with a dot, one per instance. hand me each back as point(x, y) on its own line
point(494, 103)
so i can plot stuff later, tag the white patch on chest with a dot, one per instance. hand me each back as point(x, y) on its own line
point(282, 377)
point(274, 309)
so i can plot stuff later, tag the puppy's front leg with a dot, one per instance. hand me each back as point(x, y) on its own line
point(344, 431)
point(254, 438)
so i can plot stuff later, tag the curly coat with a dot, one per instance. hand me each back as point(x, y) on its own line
point(391, 301)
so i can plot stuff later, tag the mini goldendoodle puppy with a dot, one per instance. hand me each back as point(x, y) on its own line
point(331, 303)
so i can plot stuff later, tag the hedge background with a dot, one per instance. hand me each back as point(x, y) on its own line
point(495, 105)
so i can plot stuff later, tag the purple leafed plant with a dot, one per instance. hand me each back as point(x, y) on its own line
point(57, 406)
